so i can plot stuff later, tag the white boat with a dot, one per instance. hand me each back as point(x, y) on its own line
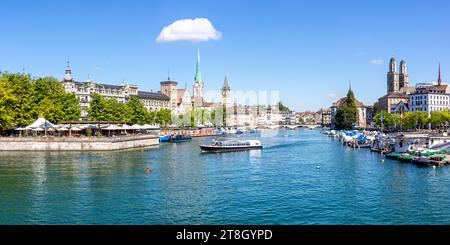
point(231, 145)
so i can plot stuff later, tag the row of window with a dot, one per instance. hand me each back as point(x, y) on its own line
point(433, 102)
point(155, 103)
point(431, 109)
point(436, 97)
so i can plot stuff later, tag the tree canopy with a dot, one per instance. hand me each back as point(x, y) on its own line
point(347, 115)
point(23, 99)
point(282, 107)
point(133, 111)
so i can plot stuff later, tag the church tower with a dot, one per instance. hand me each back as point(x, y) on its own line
point(393, 77)
point(226, 93)
point(198, 83)
point(68, 74)
point(403, 76)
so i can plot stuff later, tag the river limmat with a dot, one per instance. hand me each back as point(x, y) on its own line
point(299, 177)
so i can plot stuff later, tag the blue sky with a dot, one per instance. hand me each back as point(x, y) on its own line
point(307, 50)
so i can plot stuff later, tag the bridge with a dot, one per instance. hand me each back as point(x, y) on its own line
point(294, 126)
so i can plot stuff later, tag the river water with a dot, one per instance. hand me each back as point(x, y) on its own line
point(300, 177)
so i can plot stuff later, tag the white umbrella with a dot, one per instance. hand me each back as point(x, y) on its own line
point(126, 127)
point(91, 126)
point(37, 129)
point(63, 129)
point(41, 123)
point(148, 126)
point(137, 127)
point(112, 127)
point(75, 129)
point(20, 129)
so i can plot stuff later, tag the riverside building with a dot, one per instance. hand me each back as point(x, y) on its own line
point(361, 108)
point(430, 97)
point(178, 100)
point(153, 101)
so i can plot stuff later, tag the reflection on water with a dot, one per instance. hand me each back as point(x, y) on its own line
point(299, 177)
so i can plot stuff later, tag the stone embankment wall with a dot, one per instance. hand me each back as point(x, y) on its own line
point(76, 144)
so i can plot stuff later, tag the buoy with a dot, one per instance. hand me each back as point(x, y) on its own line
point(147, 170)
point(434, 166)
point(318, 167)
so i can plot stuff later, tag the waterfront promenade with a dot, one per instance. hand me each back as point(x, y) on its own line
point(77, 143)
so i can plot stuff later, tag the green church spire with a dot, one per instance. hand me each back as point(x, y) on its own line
point(198, 73)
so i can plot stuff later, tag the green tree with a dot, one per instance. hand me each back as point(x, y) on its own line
point(7, 99)
point(346, 117)
point(23, 99)
point(97, 108)
point(409, 120)
point(117, 111)
point(164, 117)
point(150, 117)
point(224, 116)
point(376, 108)
point(203, 115)
point(282, 107)
point(385, 119)
point(439, 118)
point(69, 107)
point(137, 110)
point(213, 117)
point(422, 118)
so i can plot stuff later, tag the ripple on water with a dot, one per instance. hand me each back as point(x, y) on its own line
point(304, 178)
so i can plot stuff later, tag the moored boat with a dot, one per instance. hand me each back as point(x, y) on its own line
point(393, 155)
point(180, 138)
point(405, 158)
point(421, 161)
point(164, 138)
point(231, 145)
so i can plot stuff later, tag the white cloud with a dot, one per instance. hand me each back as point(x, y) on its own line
point(331, 95)
point(192, 30)
point(377, 61)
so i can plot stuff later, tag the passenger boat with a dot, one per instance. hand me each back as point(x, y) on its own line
point(231, 145)
point(180, 138)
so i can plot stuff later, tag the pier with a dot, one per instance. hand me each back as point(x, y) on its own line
point(418, 148)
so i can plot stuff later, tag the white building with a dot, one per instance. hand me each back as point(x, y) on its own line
point(153, 101)
point(430, 97)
